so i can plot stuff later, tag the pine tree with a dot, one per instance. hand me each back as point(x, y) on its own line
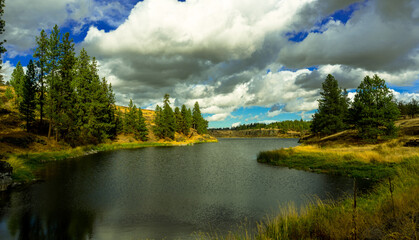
point(159, 122)
point(66, 115)
point(333, 109)
point(169, 120)
point(17, 80)
point(119, 122)
point(40, 53)
point(198, 122)
point(53, 80)
point(27, 105)
point(374, 111)
point(196, 116)
point(2, 48)
point(185, 123)
point(412, 108)
point(141, 127)
point(131, 118)
point(179, 120)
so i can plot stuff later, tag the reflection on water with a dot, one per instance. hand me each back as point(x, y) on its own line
point(159, 192)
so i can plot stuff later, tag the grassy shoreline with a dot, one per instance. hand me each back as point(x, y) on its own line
point(26, 165)
point(389, 211)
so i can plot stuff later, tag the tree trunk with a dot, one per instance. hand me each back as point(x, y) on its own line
point(49, 129)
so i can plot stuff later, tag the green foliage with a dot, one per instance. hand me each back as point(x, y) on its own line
point(374, 111)
point(159, 122)
point(17, 79)
point(178, 119)
point(169, 120)
point(412, 108)
point(40, 53)
point(9, 93)
point(333, 109)
point(27, 105)
point(2, 49)
point(185, 123)
point(141, 127)
point(198, 122)
point(285, 126)
point(130, 118)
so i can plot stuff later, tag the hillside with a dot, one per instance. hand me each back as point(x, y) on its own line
point(408, 132)
point(14, 139)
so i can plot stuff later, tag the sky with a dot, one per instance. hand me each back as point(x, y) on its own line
point(243, 61)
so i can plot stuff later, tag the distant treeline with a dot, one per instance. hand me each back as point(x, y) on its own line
point(288, 125)
point(409, 109)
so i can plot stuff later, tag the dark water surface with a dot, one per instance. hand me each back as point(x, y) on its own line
point(159, 192)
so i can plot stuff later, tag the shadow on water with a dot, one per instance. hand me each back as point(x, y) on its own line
point(24, 222)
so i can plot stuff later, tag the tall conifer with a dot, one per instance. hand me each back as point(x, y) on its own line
point(27, 105)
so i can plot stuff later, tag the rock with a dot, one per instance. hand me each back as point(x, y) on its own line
point(412, 143)
point(5, 175)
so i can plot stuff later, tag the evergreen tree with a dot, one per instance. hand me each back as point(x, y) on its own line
point(53, 80)
point(412, 108)
point(109, 110)
point(333, 109)
point(196, 116)
point(82, 85)
point(40, 53)
point(27, 105)
point(198, 122)
point(159, 122)
point(185, 123)
point(66, 114)
point(2, 49)
point(374, 111)
point(119, 122)
point(131, 118)
point(169, 121)
point(179, 120)
point(17, 80)
point(141, 130)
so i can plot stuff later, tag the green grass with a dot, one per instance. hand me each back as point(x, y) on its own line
point(346, 165)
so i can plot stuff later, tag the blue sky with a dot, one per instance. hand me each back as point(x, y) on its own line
point(243, 61)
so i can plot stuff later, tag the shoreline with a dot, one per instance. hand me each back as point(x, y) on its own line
point(389, 206)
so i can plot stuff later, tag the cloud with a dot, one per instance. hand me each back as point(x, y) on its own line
point(6, 71)
point(235, 124)
point(25, 19)
point(405, 97)
point(217, 52)
point(218, 117)
point(371, 39)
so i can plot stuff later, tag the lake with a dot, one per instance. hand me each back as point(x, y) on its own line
point(160, 192)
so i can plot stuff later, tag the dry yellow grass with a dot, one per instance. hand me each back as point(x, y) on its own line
point(392, 151)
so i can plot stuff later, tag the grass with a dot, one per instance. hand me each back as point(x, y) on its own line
point(26, 165)
point(373, 162)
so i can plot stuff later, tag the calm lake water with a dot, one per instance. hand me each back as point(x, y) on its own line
point(160, 192)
